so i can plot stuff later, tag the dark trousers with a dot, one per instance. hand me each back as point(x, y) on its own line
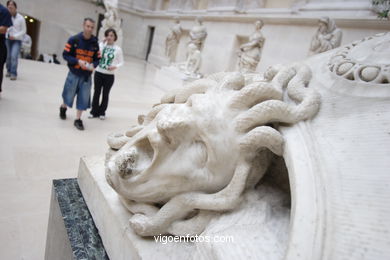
point(3, 58)
point(102, 82)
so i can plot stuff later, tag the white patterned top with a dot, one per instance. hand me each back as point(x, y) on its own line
point(111, 55)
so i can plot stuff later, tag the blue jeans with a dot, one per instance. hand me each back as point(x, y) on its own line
point(77, 86)
point(13, 49)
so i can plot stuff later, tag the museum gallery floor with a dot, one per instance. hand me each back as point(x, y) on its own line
point(37, 147)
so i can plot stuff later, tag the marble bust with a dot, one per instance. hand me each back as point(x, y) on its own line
point(327, 37)
point(250, 52)
point(172, 40)
point(194, 154)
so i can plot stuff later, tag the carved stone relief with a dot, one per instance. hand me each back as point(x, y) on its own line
point(355, 61)
point(203, 146)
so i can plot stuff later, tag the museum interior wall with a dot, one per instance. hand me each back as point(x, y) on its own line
point(58, 20)
point(288, 26)
point(288, 29)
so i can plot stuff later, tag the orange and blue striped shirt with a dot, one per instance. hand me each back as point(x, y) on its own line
point(77, 48)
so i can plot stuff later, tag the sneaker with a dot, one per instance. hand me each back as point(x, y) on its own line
point(63, 113)
point(92, 116)
point(8, 75)
point(78, 124)
point(102, 117)
point(12, 78)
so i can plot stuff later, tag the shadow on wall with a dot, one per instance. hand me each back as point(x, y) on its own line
point(150, 37)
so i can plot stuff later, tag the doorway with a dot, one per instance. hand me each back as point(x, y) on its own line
point(33, 25)
point(150, 41)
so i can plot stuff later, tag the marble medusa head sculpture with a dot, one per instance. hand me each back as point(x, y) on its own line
point(195, 153)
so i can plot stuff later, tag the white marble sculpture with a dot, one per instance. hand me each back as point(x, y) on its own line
point(250, 52)
point(193, 62)
point(203, 146)
point(198, 34)
point(172, 41)
point(327, 37)
point(337, 166)
point(111, 21)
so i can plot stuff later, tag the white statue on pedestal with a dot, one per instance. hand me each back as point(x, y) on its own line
point(193, 62)
point(196, 153)
point(250, 52)
point(327, 37)
point(198, 34)
point(111, 20)
point(172, 41)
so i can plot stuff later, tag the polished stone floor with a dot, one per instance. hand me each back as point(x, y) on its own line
point(37, 147)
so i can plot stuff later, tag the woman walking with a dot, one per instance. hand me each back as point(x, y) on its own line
point(112, 58)
point(14, 36)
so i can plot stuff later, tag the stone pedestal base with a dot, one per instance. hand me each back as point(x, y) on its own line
point(259, 227)
point(71, 232)
point(57, 244)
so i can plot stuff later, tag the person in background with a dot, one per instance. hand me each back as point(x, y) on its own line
point(26, 46)
point(40, 58)
point(55, 60)
point(14, 37)
point(5, 22)
point(82, 55)
point(112, 58)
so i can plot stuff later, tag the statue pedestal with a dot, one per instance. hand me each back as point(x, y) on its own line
point(171, 77)
point(112, 219)
point(259, 226)
point(71, 233)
